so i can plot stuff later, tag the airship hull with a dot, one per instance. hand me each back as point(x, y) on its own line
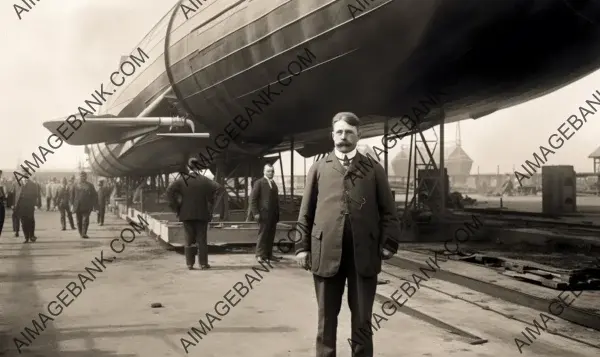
point(383, 60)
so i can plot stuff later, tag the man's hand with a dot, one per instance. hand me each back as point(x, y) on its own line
point(386, 254)
point(303, 260)
point(257, 217)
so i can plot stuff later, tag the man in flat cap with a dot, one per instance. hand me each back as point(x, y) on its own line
point(351, 226)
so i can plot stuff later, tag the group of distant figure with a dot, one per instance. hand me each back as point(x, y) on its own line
point(68, 197)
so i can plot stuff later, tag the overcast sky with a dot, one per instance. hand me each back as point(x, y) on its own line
point(62, 50)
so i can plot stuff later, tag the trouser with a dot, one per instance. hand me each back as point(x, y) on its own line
point(101, 211)
point(66, 211)
point(83, 221)
point(361, 295)
point(2, 213)
point(28, 225)
point(48, 202)
point(16, 221)
point(195, 233)
point(266, 236)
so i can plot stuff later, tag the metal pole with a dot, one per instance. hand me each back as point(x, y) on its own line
point(304, 172)
point(442, 165)
point(292, 170)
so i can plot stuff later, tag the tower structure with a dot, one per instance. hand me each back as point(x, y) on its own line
point(459, 163)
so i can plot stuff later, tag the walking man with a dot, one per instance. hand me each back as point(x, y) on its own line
point(63, 197)
point(264, 202)
point(190, 197)
point(39, 206)
point(3, 198)
point(103, 198)
point(49, 187)
point(84, 202)
point(55, 186)
point(11, 202)
point(27, 197)
point(351, 225)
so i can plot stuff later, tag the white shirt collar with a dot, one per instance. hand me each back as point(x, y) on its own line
point(340, 155)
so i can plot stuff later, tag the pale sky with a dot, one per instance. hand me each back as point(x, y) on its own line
point(62, 50)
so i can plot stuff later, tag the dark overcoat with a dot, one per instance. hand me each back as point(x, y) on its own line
point(191, 198)
point(264, 200)
point(104, 195)
point(27, 197)
point(85, 197)
point(365, 192)
point(63, 196)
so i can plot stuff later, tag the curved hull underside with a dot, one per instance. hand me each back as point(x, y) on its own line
point(474, 56)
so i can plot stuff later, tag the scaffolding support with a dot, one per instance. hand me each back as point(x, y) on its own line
point(442, 165)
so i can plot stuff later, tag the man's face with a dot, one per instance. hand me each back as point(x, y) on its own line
point(83, 178)
point(345, 136)
point(269, 172)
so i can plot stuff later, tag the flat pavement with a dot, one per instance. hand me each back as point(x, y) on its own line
point(112, 316)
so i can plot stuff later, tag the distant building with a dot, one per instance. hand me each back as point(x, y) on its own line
point(596, 157)
point(43, 176)
point(459, 163)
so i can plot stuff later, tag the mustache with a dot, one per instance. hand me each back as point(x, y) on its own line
point(343, 143)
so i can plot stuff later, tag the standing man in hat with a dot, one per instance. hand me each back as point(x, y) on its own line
point(190, 197)
point(27, 196)
point(351, 226)
point(85, 199)
point(264, 202)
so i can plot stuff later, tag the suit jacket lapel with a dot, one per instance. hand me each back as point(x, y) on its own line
point(335, 163)
point(274, 186)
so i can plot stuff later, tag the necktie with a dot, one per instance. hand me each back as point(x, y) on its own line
point(346, 162)
point(270, 183)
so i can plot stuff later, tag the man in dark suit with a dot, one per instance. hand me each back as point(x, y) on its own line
point(39, 190)
point(191, 197)
point(11, 202)
point(84, 200)
point(264, 202)
point(63, 200)
point(27, 196)
point(103, 198)
point(3, 198)
point(351, 225)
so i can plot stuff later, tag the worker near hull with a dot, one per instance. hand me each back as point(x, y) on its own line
point(191, 197)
